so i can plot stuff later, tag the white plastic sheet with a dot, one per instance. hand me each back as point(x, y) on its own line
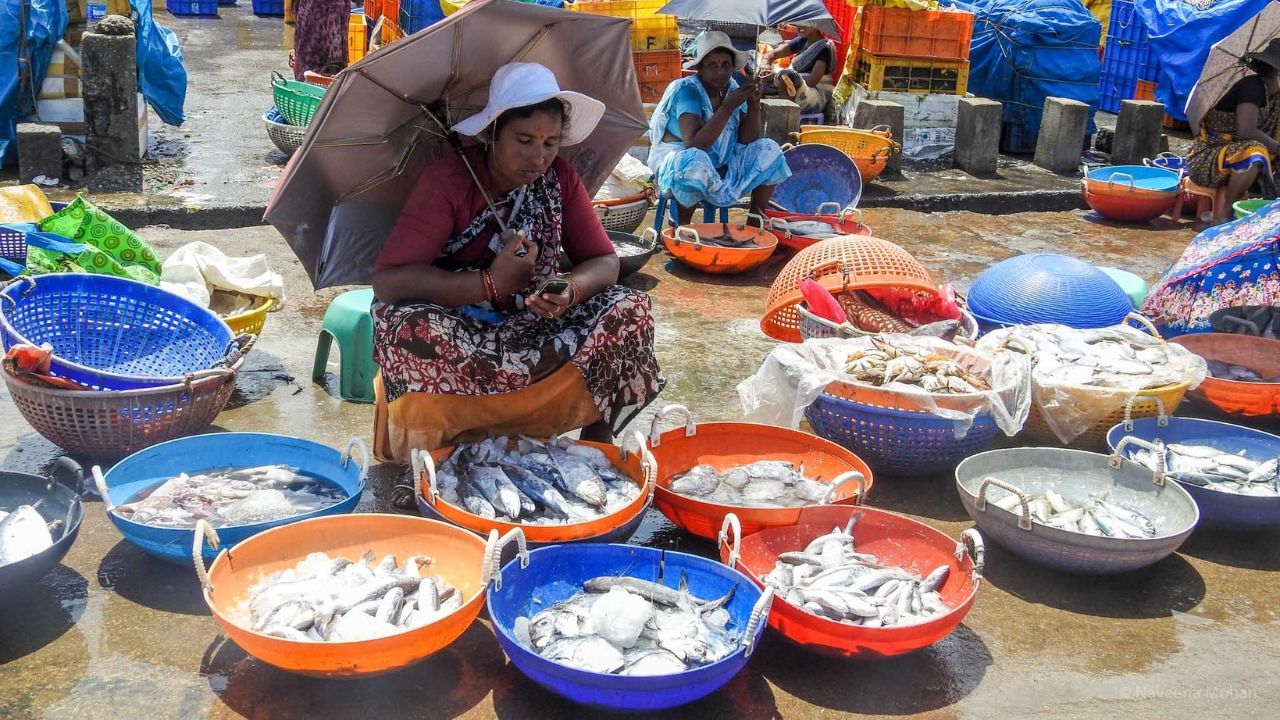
point(197, 269)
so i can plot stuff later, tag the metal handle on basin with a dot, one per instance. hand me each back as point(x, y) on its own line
point(1024, 520)
point(683, 230)
point(663, 415)
point(971, 543)
point(759, 613)
point(652, 236)
point(1144, 322)
point(1115, 176)
point(423, 464)
point(356, 442)
point(852, 476)
point(831, 203)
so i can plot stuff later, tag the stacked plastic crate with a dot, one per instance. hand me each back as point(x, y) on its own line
point(915, 51)
point(655, 42)
point(1127, 59)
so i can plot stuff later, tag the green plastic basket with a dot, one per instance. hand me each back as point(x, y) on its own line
point(1245, 208)
point(297, 101)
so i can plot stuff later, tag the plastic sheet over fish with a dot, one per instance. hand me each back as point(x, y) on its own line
point(629, 626)
point(1211, 468)
point(766, 483)
point(23, 533)
point(327, 599)
point(533, 482)
point(235, 496)
point(831, 579)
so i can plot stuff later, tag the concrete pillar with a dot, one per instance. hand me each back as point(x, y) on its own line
point(110, 78)
point(977, 135)
point(871, 113)
point(1058, 147)
point(779, 119)
point(1137, 132)
point(39, 151)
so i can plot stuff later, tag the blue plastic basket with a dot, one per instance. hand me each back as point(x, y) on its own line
point(1220, 509)
point(898, 442)
point(418, 14)
point(192, 7)
point(146, 469)
point(13, 243)
point(556, 572)
point(820, 174)
point(269, 8)
point(1047, 288)
point(110, 333)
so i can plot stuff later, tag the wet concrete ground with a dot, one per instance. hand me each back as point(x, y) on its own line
point(1196, 635)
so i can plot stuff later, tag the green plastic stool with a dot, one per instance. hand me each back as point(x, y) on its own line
point(1133, 286)
point(349, 323)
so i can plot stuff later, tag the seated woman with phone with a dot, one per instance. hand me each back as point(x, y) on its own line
point(475, 329)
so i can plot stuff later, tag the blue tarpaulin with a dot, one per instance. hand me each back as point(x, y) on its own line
point(29, 30)
point(1181, 34)
point(161, 74)
point(1024, 51)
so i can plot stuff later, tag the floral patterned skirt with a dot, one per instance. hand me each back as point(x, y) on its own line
point(423, 347)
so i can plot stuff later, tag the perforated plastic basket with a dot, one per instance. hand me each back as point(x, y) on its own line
point(297, 101)
point(1048, 288)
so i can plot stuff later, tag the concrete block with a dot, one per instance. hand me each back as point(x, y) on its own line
point(1137, 132)
point(919, 110)
point(1062, 135)
point(39, 151)
point(977, 135)
point(779, 119)
point(111, 106)
point(873, 113)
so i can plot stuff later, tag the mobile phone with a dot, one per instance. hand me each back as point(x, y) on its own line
point(554, 286)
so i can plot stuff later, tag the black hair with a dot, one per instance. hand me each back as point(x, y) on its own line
point(550, 105)
point(1261, 67)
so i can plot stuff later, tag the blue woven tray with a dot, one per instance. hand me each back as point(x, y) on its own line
point(1048, 288)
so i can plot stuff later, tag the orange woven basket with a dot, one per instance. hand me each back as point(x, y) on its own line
point(1243, 399)
point(850, 262)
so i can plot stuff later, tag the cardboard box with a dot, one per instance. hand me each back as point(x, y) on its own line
point(68, 115)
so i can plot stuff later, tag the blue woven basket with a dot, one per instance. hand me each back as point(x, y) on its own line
point(110, 333)
point(898, 442)
point(1048, 288)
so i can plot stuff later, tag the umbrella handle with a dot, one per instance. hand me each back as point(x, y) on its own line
point(1115, 176)
point(1024, 520)
point(203, 530)
point(732, 542)
point(356, 442)
point(423, 464)
point(100, 484)
point(971, 543)
point(493, 563)
point(852, 476)
point(758, 613)
point(664, 415)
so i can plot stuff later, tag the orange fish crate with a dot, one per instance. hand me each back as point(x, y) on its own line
point(390, 9)
point(936, 34)
point(373, 10)
point(655, 70)
point(1146, 90)
point(390, 31)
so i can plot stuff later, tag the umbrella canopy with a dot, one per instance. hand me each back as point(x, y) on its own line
point(380, 122)
point(763, 13)
point(1225, 65)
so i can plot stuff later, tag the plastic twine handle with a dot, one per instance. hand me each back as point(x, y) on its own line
point(758, 613)
point(277, 80)
point(1024, 520)
point(1116, 461)
point(423, 464)
point(1162, 417)
point(500, 544)
point(663, 415)
point(652, 236)
point(203, 530)
point(1144, 322)
point(971, 543)
point(100, 485)
point(356, 442)
point(734, 542)
point(852, 476)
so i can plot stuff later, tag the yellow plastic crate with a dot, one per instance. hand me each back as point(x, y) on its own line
point(634, 9)
point(655, 33)
point(911, 75)
point(357, 37)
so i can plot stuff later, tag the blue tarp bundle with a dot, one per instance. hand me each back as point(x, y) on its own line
point(29, 30)
point(1026, 50)
point(161, 74)
point(1182, 53)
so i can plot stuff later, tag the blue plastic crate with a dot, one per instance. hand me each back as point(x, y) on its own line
point(1125, 23)
point(269, 8)
point(1126, 59)
point(1112, 89)
point(416, 15)
point(1151, 71)
point(226, 3)
point(184, 8)
point(1016, 135)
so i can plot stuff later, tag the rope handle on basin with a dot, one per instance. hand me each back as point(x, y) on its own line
point(71, 468)
point(852, 476)
point(100, 485)
point(494, 562)
point(237, 348)
point(423, 464)
point(652, 236)
point(27, 280)
point(664, 415)
point(734, 542)
point(686, 230)
point(759, 613)
point(1144, 322)
point(1024, 520)
point(1162, 416)
point(203, 530)
point(356, 442)
point(1116, 461)
point(971, 543)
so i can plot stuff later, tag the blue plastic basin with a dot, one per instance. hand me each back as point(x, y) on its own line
point(819, 174)
point(1047, 288)
point(1134, 177)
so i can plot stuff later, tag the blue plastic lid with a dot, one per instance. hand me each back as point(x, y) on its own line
point(1048, 288)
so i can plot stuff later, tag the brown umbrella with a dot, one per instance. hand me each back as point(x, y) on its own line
point(1225, 65)
point(384, 119)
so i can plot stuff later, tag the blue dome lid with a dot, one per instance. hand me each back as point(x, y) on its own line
point(1048, 288)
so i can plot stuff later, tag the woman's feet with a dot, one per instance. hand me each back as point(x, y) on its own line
point(598, 432)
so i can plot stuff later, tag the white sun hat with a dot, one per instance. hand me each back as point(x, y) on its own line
point(716, 40)
point(517, 85)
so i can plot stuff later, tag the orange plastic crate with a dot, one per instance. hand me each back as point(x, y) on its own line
point(1146, 90)
point(920, 34)
point(390, 31)
point(655, 69)
point(390, 9)
point(373, 10)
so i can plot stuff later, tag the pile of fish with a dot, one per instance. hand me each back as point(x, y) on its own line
point(1239, 373)
point(726, 238)
point(236, 496)
point(815, 229)
point(1096, 516)
point(1114, 357)
point(831, 579)
point(863, 311)
point(225, 303)
point(628, 626)
point(533, 482)
point(23, 533)
point(896, 366)
point(1214, 469)
point(325, 599)
point(766, 483)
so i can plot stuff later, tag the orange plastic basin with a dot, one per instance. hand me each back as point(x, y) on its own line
point(458, 557)
point(846, 222)
point(685, 243)
point(642, 472)
point(894, 540)
point(724, 445)
point(1244, 399)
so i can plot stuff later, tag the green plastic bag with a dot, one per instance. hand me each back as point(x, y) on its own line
point(109, 248)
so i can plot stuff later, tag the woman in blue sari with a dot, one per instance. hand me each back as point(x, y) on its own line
point(705, 143)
